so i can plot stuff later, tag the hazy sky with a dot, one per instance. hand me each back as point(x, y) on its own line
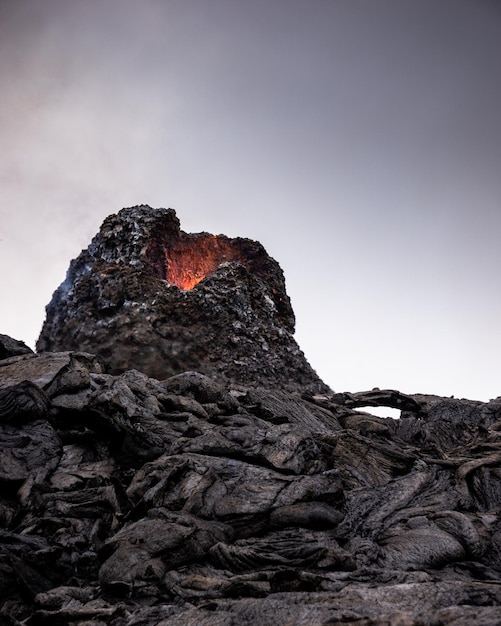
point(358, 140)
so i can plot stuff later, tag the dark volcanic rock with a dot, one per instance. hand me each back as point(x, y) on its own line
point(129, 501)
point(11, 347)
point(243, 494)
point(149, 296)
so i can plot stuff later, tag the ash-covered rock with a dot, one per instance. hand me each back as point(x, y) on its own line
point(149, 296)
point(131, 501)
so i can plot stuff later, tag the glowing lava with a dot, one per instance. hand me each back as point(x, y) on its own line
point(193, 257)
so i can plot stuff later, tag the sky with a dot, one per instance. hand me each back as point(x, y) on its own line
point(358, 140)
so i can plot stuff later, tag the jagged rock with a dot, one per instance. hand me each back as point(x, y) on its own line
point(142, 552)
point(23, 400)
point(128, 500)
point(28, 451)
point(149, 296)
point(12, 347)
point(55, 373)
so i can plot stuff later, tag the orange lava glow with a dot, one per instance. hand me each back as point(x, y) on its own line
point(197, 256)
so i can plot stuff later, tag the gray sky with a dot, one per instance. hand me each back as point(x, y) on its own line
point(358, 140)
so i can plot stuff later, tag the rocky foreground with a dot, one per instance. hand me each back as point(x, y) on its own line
point(130, 501)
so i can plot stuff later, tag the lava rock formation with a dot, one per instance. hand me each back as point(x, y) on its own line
point(130, 500)
point(149, 296)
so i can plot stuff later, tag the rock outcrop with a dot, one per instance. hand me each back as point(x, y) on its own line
point(130, 501)
point(149, 296)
